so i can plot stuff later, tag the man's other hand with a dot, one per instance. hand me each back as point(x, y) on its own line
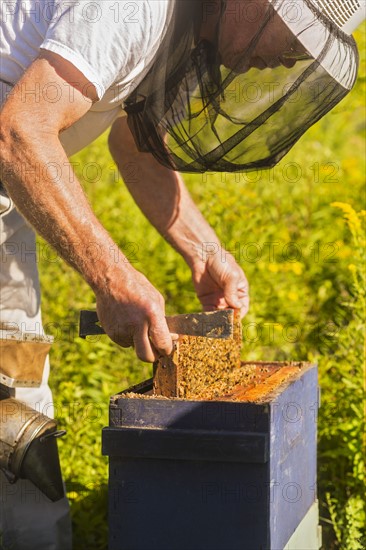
point(221, 283)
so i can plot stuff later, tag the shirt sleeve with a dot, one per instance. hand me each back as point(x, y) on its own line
point(103, 39)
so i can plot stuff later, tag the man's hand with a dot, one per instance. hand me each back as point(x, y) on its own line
point(220, 283)
point(132, 314)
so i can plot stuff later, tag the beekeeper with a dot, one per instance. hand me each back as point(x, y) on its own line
point(180, 70)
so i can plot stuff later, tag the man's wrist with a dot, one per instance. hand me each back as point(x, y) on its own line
point(112, 270)
point(195, 245)
point(204, 252)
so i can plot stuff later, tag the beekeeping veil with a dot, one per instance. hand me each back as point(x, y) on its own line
point(237, 82)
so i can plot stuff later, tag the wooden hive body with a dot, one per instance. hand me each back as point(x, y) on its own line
point(234, 473)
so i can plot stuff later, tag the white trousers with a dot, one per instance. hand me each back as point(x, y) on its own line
point(28, 519)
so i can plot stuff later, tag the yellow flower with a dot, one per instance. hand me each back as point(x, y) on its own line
point(352, 268)
point(343, 251)
point(297, 268)
point(353, 221)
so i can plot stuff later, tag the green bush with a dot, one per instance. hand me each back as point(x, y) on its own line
point(342, 415)
point(304, 265)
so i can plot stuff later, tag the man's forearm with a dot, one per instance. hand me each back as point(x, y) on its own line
point(162, 196)
point(39, 179)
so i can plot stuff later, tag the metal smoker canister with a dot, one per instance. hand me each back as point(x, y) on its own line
point(28, 447)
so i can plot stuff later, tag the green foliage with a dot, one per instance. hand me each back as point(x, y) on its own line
point(342, 415)
point(304, 265)
point(349, 523)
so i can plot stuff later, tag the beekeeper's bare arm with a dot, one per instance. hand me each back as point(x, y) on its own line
point(162, 196)
point(55, 205)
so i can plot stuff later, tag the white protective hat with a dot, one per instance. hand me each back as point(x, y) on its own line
point(196, 112)
point(346, 14)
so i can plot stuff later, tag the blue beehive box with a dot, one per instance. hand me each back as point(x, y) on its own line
point(216, 475)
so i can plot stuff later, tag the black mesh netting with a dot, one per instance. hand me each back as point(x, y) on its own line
point(205, 108)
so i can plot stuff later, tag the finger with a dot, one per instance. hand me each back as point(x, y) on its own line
point(245, 306)
point(143, 347)
point(123, 335)
point(213, 300)
point(160, 336)
point(210, 307)
point(243, 299)
point(243, 296)
point(236, 292)
point(231, 294)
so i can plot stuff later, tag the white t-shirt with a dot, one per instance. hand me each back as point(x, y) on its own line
point(112, 42)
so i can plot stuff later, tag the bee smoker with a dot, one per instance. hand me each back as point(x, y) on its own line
point(28, 446)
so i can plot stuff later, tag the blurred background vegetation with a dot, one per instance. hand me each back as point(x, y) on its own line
point(298, 232)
